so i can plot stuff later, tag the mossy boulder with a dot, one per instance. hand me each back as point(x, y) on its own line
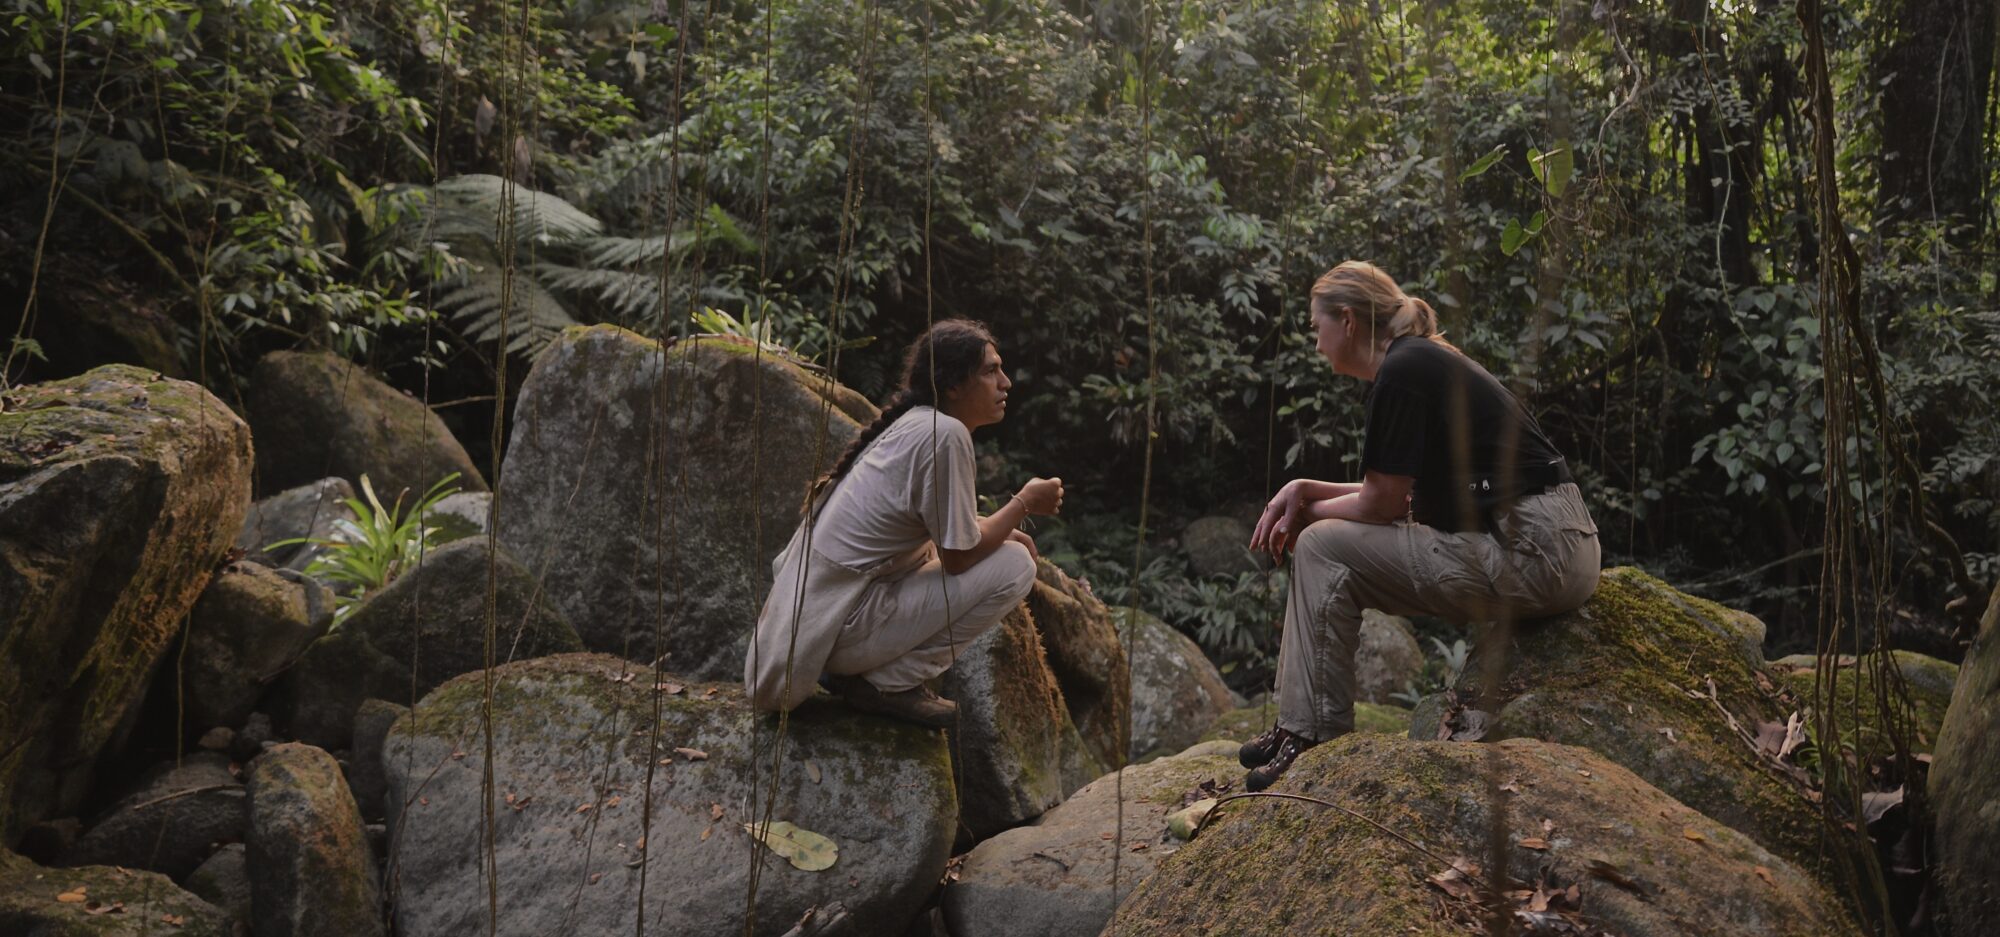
point(312, 873)
point(1926, 680)
point(1088, 658)
point(1218, 546)
point(1241, 725)
point(1629, 676)
point(170, 821)
point(458, 516)
point(1292, 867)
point(423, 629)
point(1388, 658)
point(248, 626)
point(654, 483)
point(1055, 877)
point(1965, 786)
point(33, 903)
point(576, 740)
point(1016, 746)
point(224, 881)
point(120, 491)
point(317, 414)
point(1176, 691)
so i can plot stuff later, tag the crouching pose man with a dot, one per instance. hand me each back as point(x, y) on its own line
point(892, 570)
point(1465, 510)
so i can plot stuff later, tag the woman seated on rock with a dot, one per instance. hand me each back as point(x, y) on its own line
point(892, 570)
point(1465, 510)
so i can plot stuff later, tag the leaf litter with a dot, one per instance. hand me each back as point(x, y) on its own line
point(803, 848)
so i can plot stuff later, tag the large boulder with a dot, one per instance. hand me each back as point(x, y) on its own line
point(248, 626)
point(170, 822)
point(1965, 786)
point(1055, 877)
point(1926, 686)
point(576, 740)
point(421, 630)
point(1015, 745)
point(120, 491)
point(311, 871)
point(1387, 659)
point(224, 881)
point(1642, 863)
point(1218, 546)
point(1087, 656)
point(309, 512)
point(1176, 691)
point(317, 414)
point(100, 901)
point(1663, 683)
point(651, 484)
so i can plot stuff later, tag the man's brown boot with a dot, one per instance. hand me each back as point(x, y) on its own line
point(916, 704)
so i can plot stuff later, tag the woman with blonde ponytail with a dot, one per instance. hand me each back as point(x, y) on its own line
point(1465, 510)
point(892, 568)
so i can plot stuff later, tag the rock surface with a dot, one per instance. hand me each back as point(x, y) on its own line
point(171, 822)
point(149, 905)
point(1926, 680)
point(308, 512)
point(1176, 691)
point(573, 753)
point(1614, 674)
point(425, 628)
point(311, 872)
point(119, 494)
point(1388, 657)
point(224, 881)
point(1054, 877)
point(1087, 657)
point(1016, 748)
point(459, 516)
point(697, 457)
point(365, 778)
point(1248, 722)
point(248, 626)
point(1218, 546)
point(1965, 786)
point(1288, 867)
point(317, 414)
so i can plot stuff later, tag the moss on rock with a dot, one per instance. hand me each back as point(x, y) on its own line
point(148, 902)
point(1927, 681)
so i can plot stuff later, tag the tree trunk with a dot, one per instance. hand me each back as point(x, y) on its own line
point(1935, 69)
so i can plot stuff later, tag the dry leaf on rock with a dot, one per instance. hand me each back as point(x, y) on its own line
point(812, 771)
point(1534, 842)
point(691, 754)
point(1765, 874)
point(73, 896)
point(1693, 834)
point(804, 848)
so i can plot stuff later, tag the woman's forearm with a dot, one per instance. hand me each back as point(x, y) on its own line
point(1311, 490)
point(1351, 506)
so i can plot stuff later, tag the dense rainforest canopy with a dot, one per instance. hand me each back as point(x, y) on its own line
point(1611, 205)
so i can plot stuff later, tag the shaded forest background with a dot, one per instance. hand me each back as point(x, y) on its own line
point(1609, 204)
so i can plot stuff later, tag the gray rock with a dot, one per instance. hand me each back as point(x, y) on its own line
point(149, 904)
point(459, 516)
point(251, 739)
point(119, 494)
point(1218, 546)
point(1388, 657)
point(218, 739)
point(649, 484)
point(1965, 786)
point(247, 627)
point(1176, 691)
point(311, 872)
point(308, 511)
point(1054, 878)
point(170, 822)
point(1016, 747)
point(421, 630)
point(576, 730)
point(224, 881)
point(364, 765)
point(316, 414)
point(1274, 866)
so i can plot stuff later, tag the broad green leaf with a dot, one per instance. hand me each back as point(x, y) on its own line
point(1511, 237)
point(1535, 224)
point(1559, 163)
point(805, 849)
point(1484, 163)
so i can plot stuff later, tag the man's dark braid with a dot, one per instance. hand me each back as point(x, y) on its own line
point(902, 403)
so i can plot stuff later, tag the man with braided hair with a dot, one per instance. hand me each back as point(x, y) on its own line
point(892, 569)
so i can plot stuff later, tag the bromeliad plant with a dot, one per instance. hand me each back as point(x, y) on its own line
point(380, 543)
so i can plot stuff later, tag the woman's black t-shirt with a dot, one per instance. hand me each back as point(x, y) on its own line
point(1439, 417)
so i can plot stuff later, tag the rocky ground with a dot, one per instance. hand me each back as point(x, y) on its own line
point(201, 732)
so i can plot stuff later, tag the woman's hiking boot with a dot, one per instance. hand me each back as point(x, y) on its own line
point(1258, 751)
point(1289, 745)
point(916, 704)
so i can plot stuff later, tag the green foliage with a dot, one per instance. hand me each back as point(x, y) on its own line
point(379, 544)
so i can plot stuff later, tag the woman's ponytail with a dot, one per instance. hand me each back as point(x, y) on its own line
point(1379, 301)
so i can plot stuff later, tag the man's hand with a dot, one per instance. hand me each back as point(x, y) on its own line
point(1022, 538)
point(1042, 495)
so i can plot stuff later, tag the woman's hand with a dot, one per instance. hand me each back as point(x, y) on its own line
point(1042, 495)
point(1022, 538)
point(1279, 525)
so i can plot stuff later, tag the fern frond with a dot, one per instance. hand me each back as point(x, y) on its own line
point(534, 318)
point(633, 295)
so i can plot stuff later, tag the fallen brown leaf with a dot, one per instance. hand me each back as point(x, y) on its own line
point(585, 808)
point(1616, 876)
point(691, 754)
point(715, 811)
point(74, 895)
point(705, 833)
point(1765, 874)
point(1107, 836)
point(172, 920)
point(613, 800)
point(1583, 772)
point(99, 907)
point(812, 771)
point(1138, 847)
point(1693, 834)
point(669, 688)
point(1534, 842)
point(523, 802)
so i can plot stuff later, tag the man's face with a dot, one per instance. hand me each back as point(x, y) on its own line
point(982, 399)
